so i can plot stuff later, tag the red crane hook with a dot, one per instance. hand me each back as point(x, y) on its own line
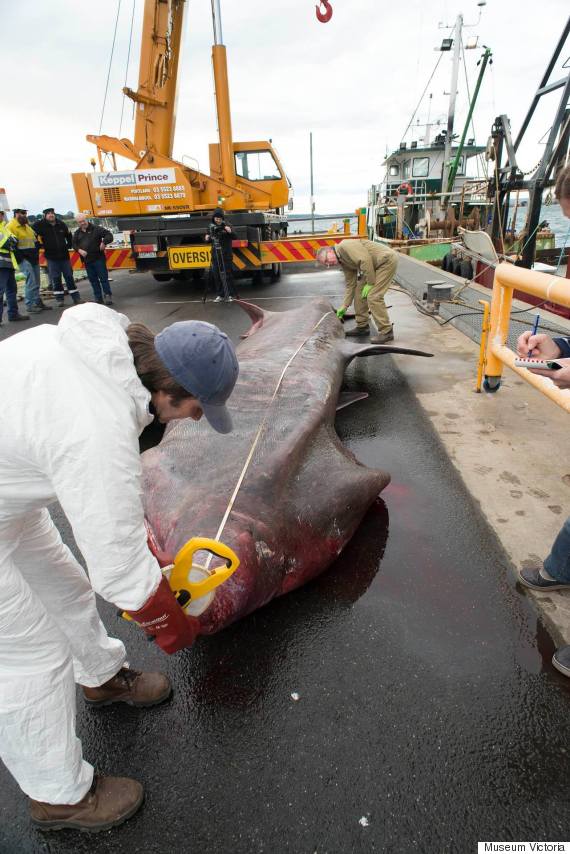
point(325, 15)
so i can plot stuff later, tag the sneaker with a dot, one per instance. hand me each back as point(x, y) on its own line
point(383, 337)
point(109, 802)
point(534, 579)
point(108, 300)
point(358, 332)
point(43, 306)
point(131, 687)
point(99, 301)
point(230, 299)
point(34, 309)
point(561, 660)
point(18, 318)
point(219, 299)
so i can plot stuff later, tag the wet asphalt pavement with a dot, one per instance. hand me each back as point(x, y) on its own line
point(428, 715)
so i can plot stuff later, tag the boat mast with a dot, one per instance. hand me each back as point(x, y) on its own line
point(452, 96)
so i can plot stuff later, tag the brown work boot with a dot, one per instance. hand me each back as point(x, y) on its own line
point(132, 687)
point(109, 802)
point(383, 337)
point(358, 332)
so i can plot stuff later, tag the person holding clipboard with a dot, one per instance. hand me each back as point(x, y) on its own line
point(554, 574)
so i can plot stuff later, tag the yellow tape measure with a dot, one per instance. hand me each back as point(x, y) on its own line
point(184, 562)
point(187, 591)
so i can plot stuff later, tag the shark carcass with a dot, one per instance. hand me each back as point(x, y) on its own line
point(281, 490)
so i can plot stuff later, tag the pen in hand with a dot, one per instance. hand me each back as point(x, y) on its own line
point(534, 331)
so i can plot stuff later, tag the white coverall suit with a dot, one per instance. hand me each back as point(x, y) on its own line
point(73, 408)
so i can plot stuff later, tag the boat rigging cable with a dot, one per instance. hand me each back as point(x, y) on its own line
point(110, 64)
point(480, 157)
point(422, 96)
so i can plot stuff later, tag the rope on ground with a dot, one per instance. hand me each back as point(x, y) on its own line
point(473, 309)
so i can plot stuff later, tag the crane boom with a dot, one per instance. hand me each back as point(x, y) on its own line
point(245, 178)
point(156, 96)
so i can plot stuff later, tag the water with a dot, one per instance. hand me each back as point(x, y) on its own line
point(322, 225)
point(559, 224)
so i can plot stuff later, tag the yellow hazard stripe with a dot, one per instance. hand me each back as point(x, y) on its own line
point(253, 259)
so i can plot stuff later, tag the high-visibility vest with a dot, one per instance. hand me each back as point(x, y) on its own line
point(6, 241)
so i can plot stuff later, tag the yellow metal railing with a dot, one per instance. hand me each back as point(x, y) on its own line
point(509, 278)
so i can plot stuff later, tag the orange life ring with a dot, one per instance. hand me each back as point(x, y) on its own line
point(407, 187)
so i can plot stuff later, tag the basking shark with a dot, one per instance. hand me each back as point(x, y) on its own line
point(303, 494)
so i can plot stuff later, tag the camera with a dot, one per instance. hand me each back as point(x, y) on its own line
point(217, 230)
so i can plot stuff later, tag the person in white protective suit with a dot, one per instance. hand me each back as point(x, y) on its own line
point(73, 408)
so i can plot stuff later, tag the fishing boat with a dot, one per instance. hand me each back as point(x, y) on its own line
point(434, 190)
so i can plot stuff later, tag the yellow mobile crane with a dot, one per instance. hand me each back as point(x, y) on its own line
point(165, 204)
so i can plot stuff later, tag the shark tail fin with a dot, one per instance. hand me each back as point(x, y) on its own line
point(256, 315)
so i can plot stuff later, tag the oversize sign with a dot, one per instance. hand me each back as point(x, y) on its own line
point(186, 257)
point(138, 178)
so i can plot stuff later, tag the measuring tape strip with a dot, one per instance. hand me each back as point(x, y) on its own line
point(258, 435)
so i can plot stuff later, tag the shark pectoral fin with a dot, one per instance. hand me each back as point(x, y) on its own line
point(351, 350)
point(345, 398)
point(255, 313)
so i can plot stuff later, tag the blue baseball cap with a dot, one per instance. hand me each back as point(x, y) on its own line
point(202, 359)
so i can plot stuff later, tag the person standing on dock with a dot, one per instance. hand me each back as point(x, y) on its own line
point(554, 574)
point(8, 286)
point(220, 236)
point(55, 237)
point(26, 254)
point(369, 269)
point(90, 241)
point(76, 398)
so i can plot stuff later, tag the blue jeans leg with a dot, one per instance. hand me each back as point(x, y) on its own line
point(101, 267)
point(70, 282)
point(4, 271)
point(8, 286)
point(93, 276)
point(32, 287)
point(557, 564)
point(54, 272)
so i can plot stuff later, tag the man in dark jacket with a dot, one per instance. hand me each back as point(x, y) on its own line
point(221, 236)
point(56, 240)
point(90, 241)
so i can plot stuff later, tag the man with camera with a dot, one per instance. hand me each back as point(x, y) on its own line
point(221, 236)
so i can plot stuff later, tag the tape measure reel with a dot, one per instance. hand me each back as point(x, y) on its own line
point(194, 583)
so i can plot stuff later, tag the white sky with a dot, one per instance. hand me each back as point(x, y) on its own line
point(353, 81)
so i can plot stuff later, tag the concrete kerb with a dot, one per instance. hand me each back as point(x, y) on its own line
point(495, 441)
